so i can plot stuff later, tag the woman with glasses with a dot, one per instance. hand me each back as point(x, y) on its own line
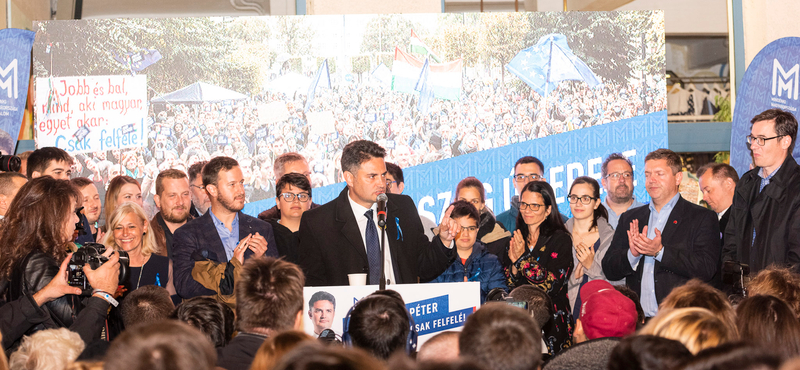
point(591, 236)
point(474, 262)
point(294, 198)
point(540, 254)
point(493, 235)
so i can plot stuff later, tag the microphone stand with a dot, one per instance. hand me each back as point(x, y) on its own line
point(382, 283)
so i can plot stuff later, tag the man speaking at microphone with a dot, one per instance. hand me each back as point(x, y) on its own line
point(342, 236)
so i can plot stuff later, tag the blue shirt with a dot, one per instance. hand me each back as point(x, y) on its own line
point(230, 239)
point(613, 218)
point(658, 219)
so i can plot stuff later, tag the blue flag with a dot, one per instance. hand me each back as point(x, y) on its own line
point(15, 68)
point(424, 88)
point(551, 60)
point(322, 78)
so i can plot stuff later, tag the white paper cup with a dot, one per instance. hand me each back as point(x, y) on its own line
point(357, 279)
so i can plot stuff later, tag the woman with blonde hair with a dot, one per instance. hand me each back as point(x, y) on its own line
point(697, 328)
point(121, 189)
point(129, 231)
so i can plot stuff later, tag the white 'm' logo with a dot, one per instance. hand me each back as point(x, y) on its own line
point(788, 81)
point(9, 82)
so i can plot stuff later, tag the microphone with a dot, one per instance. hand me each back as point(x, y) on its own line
point(382, 198)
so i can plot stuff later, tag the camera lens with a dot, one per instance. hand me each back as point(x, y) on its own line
point(10, 163)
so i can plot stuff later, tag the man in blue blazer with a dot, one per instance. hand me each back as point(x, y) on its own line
point(221, 234)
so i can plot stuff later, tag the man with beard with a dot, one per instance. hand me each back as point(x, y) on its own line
point(92, 204)
point(224, 233)
point(618, 182)
point(173, 199)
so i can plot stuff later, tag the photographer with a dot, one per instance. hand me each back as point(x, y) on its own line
point(36, 234)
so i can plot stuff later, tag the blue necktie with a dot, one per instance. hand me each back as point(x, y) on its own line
point(373, 249)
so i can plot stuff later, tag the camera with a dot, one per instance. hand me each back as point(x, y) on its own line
point(92, 253)
point(735, 276)
point(10, 163)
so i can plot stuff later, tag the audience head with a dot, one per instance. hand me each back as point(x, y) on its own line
point(780, 127)
point(584, 200)
point(41, 217)
point(291, 163)
point(628, 292)
point(468, 217)
point(617, 171)
point(500, 336)
point(540, 306)
point(293, 195)
point(471, 190)
point(122, 189)
point(380, 325)
point(10, 182)
point(224, 183)
point(648, 352)
point(315, 356)
point(662, 174)
point(47, 349)
point(779, 282)
point(173, 197)
point(527, 169)
point(129, 231)
point(395, 184)
point(697, 328)
point(23, 157)
point(718, 182)
point(442, 347)
point(49, 161)
point(537, 208)
point(605, 313)
point(364, 170)
point(733, 355)
point(269, 296)
point(199, 195)
point(321, 310)
point(167, 344)
point(274, 348)
point(92, 204)
point(212, 317)
point(145, 305)
point(769, 323)
point(696, 293)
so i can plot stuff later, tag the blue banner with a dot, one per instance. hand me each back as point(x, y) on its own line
point(15, 67)
point(565, 156)
point(771, 81)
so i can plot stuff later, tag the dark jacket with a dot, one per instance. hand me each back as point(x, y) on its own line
point(774, 213)
point(275, 214)
point(164, 237)
point(691, 248)
point(240, 352)
point(286, 241)
point(492, 234)
point(481, 266)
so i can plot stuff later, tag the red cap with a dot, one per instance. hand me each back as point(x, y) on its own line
point(605, 311)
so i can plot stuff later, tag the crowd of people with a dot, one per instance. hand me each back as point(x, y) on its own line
point(199, 285)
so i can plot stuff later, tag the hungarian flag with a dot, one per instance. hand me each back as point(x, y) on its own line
point(443, 78)
point(419, 47)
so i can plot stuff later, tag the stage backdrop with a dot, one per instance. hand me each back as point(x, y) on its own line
point(448, 96)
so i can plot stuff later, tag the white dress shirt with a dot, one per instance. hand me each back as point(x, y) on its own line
point(361, 220)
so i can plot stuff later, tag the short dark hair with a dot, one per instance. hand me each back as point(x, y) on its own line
point(500, 336)
point(40, 159)
point(314, 356)
point(395, 171)
point(719, 171)
point(7, 181)
point(648, 352)
point(269, 294)
point(212, 317)
point(171, 173)
point(462, 208)
point(672, 158)
point(167, 344)
point(379, 324)
point(628, 292)
point(785, 123)
point(322, 296)
point(79, 182)
point(217, 164)
point(297, 180)
point(529, 159)
point(472, 182)
point(279, 166)
point(540, 306)
point(613, 157)
point(553, 222)
point(196, 169)
point(149, 303)
point(358, 152)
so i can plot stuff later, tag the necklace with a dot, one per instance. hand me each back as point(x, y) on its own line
point(141, 269)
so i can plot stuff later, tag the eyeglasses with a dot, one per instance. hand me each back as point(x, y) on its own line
point(584, 199)
point(761, 141)
point(302, 197)
point(470, 229)
point(532, 206)
point(199, 187)
point(616, 175)
point(389, 183)
point(521, 178)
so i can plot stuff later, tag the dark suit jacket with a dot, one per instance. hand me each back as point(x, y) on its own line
point(331, 245)
point(691, 248)
point(199, 234)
